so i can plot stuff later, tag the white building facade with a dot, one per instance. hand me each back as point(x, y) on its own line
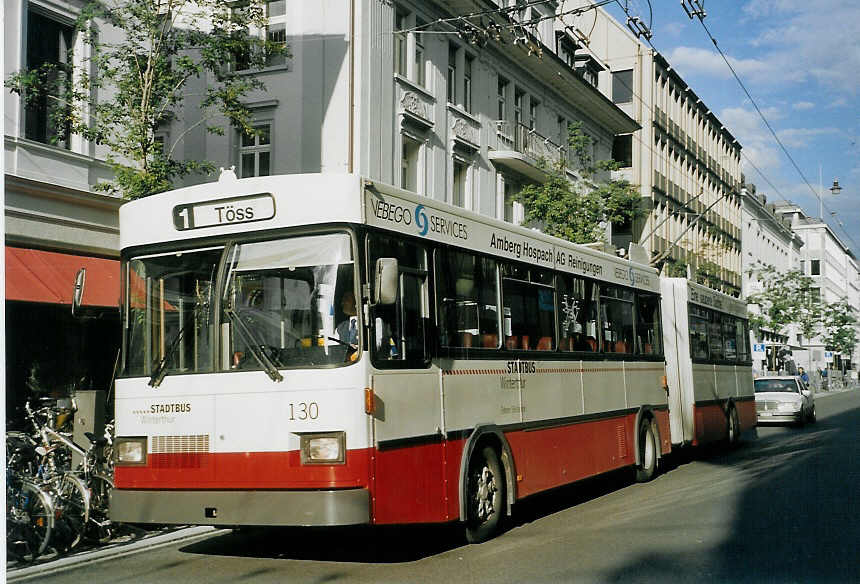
point(834, 272)
point(767, 240)
point(55, 223)
point(409, 94)
point(685, 161)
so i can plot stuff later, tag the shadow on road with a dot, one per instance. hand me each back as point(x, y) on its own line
point(360, 544)
point(798, 519)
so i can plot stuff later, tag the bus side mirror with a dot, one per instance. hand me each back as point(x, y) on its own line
point(385, 290)
point(77, 297)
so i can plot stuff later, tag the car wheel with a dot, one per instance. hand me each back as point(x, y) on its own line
point(812, 417)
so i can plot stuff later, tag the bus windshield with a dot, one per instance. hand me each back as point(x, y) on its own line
point(284, 303)
point(290, 301)
point(168, 312)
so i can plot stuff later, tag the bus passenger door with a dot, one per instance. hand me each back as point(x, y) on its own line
point(408, 482)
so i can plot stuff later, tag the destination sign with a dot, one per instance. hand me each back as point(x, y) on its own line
point(245, 209)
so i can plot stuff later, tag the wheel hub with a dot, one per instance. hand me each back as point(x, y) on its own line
point(486, 490)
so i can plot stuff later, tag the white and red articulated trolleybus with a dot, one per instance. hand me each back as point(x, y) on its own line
point(319, 350)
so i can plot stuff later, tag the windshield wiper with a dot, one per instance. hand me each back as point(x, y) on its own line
point(255, 346)
point(160, 370)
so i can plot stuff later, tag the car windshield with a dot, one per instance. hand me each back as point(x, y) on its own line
point(292, 299)
point(771, 385)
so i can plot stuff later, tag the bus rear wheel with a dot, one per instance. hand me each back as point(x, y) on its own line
point(647, 467)
point(734, 427)
point(485, 495)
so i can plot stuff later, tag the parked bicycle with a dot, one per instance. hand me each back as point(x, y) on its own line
point(29, 508)
point(69, 494)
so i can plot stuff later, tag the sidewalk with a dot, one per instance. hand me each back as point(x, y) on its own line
point(119, 546)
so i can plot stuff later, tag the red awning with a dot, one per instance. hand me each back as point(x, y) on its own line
point(43, 276)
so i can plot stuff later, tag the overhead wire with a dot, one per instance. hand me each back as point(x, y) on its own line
point(761, 114)
point(768, 125)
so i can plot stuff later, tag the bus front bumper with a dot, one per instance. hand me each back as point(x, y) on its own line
point(240, 508)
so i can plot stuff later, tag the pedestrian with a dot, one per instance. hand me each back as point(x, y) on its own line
point(803, 376)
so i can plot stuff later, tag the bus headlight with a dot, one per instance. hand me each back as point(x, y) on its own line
point(130, 450)
point(323, 448)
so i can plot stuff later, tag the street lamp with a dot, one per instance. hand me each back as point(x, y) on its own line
point(835, 190)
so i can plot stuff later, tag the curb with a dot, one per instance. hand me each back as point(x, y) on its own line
point(112, 551)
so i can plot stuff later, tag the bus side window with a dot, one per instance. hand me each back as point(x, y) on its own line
point(468, 300)
point(400, 329)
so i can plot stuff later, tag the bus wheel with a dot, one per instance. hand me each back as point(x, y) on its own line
point(734, 427)
point(647, 467)
point(485, 492)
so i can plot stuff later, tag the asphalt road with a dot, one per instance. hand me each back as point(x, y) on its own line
point(784, 507)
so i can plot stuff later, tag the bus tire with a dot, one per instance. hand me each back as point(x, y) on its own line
point(733, 432)
point(485, 495)
point(647, 466)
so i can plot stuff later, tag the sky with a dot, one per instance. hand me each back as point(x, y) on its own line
point(800, 62)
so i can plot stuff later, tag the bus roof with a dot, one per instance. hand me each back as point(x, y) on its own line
point(233, 206)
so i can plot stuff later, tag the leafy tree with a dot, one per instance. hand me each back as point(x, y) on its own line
point(577, 211)
point(786, 298)
point(146, 57)
point(840, 327)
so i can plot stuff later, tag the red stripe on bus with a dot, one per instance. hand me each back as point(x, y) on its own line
point(413, 484)
point(243, 470)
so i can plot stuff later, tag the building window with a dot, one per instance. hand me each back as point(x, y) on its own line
point(513, 210)
point(255, 152)
point(519, 97)
point(459, 191)
point(622, 86)
point(815, 267)
point(452, 74)
point(49, 45)
point(534, 105)
point(467, 84)
point(401, 24)
point(502, 98)
point(622, 150)
point(276, 31)
point(420, 73)
point(409, 163)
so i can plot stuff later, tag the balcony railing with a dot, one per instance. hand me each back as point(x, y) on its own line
point(522, 139)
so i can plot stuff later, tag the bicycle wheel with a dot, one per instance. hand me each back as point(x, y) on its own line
point(29, 521)
point(99, 527)
point(72, 511)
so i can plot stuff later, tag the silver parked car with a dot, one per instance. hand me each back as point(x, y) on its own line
point(781, 399)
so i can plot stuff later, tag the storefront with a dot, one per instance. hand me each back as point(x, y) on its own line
point(49, 351)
